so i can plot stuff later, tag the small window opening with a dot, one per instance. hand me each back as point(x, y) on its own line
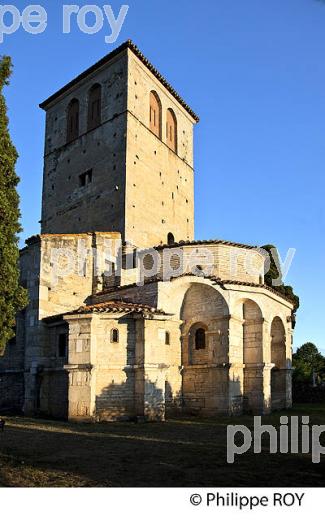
point(170, 239)
point(73, 120)
point(85, 178)
point(200, 339)
point(114, 336)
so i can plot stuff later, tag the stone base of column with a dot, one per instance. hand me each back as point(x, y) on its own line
point(281, 388)
point(150, 393)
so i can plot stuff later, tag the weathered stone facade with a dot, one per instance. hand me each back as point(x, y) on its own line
point(129, 163)
point(125, 320)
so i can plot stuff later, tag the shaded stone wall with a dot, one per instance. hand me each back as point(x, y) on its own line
point(13, 362)
point(11, 391)
point(53, 393)
point(99, 206)
point(59, 279)
point(147, 294)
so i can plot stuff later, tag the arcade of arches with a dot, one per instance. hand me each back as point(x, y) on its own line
point(232, 361)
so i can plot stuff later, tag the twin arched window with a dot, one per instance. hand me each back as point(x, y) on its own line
point(155, 114)
point(155, 120)
point(171, 130)
point(94, 113)
point(94, 106)
point(73, 120)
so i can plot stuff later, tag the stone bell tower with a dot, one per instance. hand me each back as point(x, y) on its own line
point(119, 154)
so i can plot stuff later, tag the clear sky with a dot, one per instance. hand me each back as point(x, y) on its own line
point(254, 71)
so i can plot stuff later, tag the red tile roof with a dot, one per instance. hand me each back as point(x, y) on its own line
point(117, 307)
point(110, 307)
point(183, 243)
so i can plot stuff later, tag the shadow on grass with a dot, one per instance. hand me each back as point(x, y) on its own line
point(184, 452)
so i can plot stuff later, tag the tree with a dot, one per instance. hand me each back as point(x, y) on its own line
point(309, 364)
point(13, 297)
point(274, 274)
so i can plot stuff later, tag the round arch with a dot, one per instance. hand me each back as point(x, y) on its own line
point(205, 310)
point(278, 343)
point(252, 332)
point(171, 130)
point(170, 239)
point(155, 114)
point(94, 106)
point(252, 355)
point(279, 359)
point(73, 120)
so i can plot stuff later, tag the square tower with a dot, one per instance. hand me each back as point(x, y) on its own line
point(119, 154)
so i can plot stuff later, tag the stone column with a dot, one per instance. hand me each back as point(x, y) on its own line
point(267, 371)
point(288, 376)
point(236, 366)
point(267, 382)
point(254, 388)
point(81, 367)
point(150, 376)
point(154, 392)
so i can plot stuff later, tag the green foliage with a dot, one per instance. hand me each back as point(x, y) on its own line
point(275, 274)
point(12, 297)
point(308, 361)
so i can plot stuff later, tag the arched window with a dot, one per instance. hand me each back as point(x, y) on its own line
point(115, 336)
point(167, 338)
point(155, 114)
point(170, 239)
point(73, 120)
point(171, 130)
point(200, 342)
point(94, 106)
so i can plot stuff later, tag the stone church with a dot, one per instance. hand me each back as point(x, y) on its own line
point(128, 315)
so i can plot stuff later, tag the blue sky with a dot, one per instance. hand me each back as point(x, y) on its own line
point(255, 73)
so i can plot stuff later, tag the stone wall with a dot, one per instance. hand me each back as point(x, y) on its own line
point(236, 368)
point(245, 264)
point(115, 373)
point(129, 163)
point(126, 378)
point(205, 372)
point(155, 173)
point(53, 393)
point(11, 390)
point(67, 206)
point(68, 263)
point(225, 262)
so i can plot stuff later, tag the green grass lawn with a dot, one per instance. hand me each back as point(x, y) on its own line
point(184, 452)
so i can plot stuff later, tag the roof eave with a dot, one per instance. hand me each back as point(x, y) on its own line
point(126, 45)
